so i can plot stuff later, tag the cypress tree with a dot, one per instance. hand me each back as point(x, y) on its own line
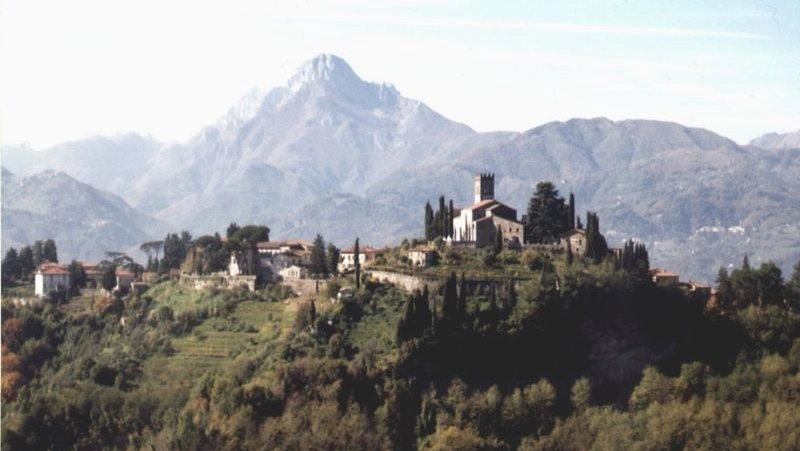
point(357, 258)
point(319, 264)
point(596, 246)
point(450, 302)
point(429, 228)
point(442, 218)
point(571, 216)
point(406, 324)
point(462, 298)
point(450, 213)
point(570, 257)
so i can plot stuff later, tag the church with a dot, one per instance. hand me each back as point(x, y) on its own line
point(480, 221)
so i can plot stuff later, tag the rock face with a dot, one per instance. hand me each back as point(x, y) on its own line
point(334, 154)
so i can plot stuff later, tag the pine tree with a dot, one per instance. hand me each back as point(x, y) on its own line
point(547, 214)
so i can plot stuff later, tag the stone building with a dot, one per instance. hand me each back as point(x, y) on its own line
point(480, 221)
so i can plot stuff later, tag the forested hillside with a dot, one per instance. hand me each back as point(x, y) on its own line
point(573, 356)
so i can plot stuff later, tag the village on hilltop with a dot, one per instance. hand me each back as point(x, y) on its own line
point(550, 225)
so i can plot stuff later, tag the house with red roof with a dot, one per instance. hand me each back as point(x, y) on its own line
point(50, 277)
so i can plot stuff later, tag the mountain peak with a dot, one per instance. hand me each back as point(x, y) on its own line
point(325, 68)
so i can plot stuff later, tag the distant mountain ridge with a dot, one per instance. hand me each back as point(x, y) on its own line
point(334, 154)
point(84, 222)
point(778, 141)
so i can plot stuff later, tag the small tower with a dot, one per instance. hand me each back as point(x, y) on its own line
point(484, 187)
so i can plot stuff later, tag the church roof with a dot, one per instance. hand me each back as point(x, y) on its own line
point(481, 204)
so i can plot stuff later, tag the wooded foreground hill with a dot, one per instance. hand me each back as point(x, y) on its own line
point(604, 359)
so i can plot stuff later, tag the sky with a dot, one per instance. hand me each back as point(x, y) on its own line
point(167, 68)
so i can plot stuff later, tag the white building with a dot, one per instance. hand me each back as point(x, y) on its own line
point(50, 278)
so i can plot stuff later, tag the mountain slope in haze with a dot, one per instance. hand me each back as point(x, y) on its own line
point(326, 132)
point(697, 199)
point(111, 163)
point(84, 222)
point(778, 141)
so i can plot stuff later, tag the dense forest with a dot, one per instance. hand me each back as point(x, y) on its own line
point(575, 356)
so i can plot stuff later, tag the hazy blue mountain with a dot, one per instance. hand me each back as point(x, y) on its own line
point(697, 199)
point(778, 141)
point(111, 163)
point(84, 222)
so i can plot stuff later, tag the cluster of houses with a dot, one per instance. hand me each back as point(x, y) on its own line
point(474, 226)
point(277, 261)
point(664, 278)
point(54, 277)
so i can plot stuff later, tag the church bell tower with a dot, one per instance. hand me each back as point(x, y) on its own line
point(484, 187)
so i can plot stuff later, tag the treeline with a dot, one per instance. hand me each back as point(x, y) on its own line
point(205, 254)
point(20, 265)
point(746, 286)
point(584, 356)
point(440, 223)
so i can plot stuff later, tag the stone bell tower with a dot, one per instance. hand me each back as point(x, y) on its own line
point(484, 187)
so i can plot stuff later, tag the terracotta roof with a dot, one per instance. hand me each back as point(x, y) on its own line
point(363, 250)
point(480, 204)
point(285, 243)
point(50, 265)
point(54, 271)
point(657, 272)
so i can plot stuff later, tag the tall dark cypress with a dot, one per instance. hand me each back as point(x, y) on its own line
point(442, 217)
point(571, 216)
point(450, 301)
point(357, 261)
point(450, 216)
point(429, 226)
point(462, 298)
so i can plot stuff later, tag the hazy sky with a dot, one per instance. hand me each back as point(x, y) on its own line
point(71, 69)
